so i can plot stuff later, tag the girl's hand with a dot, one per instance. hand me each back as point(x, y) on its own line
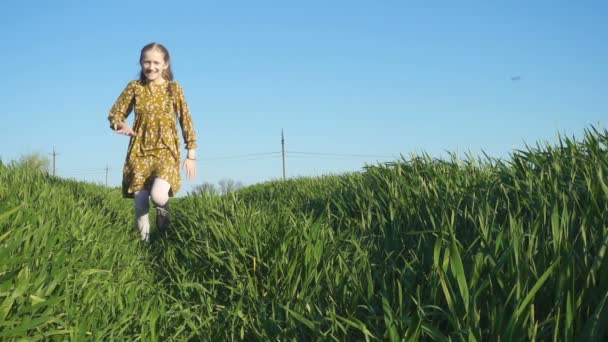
point(125, 129)
point(190, 166)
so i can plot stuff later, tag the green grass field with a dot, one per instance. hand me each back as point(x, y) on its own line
point(421, 249)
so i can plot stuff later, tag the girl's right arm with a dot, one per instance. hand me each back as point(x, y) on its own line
point(122, 108)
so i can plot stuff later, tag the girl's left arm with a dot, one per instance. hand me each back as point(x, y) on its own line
point(185, 119)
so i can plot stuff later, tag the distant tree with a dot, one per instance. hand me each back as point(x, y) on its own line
point(205, 189)
point(229, 185)
point(34, 161)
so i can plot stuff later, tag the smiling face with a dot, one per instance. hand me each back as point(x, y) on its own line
point(153, 65)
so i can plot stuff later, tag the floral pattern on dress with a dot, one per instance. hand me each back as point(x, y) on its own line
point(154, 151)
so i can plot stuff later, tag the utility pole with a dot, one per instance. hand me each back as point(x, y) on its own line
point(54, 154)
point(283, 149)
point(107, 169)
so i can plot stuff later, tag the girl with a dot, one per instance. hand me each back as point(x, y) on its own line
point(152, 166)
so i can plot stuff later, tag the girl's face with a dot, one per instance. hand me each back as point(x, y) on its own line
point(153, 64)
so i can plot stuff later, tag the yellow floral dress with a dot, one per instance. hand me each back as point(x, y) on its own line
point(154, 151)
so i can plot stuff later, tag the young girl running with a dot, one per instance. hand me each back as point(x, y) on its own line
point(152, 166)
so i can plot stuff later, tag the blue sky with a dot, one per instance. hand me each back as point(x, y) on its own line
point(350, 82)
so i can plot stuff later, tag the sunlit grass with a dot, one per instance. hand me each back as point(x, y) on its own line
point(421, 249)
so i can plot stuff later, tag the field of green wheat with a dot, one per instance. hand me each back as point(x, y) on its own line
point(475, 249)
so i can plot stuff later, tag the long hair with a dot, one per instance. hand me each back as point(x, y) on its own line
point(167, 73)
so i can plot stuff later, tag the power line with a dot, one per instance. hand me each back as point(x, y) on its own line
point(243, 156)
point(107, 169)
point(283, 154)
point(89, 173)
point(332, 157)
point(92, 169)
point(54, 154)
point(341, 154)
point(283, 151)
point(241, 159)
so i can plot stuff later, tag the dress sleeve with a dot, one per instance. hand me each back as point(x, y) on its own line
point(185, 119)
point(123, 106)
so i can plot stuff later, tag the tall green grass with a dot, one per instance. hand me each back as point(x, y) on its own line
point(68, 266)
point(420, 249)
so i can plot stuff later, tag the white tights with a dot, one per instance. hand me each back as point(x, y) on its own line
point(160, 197)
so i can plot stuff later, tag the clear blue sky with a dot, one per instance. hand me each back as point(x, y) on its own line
point(378, 78)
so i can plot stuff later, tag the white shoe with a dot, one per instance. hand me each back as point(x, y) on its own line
point(143, 225)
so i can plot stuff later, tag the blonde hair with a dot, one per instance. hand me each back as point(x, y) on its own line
point(167, 73)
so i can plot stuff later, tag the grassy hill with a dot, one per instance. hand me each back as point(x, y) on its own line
point(419, 249)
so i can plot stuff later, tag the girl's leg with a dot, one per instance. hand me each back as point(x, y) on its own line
point(160, 198)
point(142, 208)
